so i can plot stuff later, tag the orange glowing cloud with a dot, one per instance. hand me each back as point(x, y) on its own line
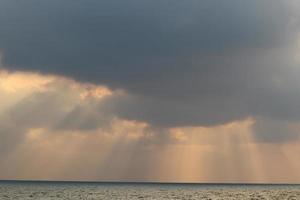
point(67, 143)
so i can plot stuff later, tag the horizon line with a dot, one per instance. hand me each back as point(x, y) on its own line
point(144, 182)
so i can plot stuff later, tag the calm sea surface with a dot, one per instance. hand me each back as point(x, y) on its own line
point(110, 191)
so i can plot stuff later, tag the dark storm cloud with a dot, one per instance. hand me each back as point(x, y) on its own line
point(121, 42)
point(181, 62)
point(275, 131)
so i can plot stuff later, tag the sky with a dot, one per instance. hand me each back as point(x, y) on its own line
point(160, 90)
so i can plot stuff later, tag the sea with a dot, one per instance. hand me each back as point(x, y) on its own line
point(49, 190)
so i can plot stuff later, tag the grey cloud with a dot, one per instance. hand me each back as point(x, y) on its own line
point(169, 112)
point(233, 88)
point(275, 131)
point(121, 42)
point(85, 117)
point(181, 62)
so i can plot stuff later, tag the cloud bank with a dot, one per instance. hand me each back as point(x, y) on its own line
point(157, 71)
point(184, 63)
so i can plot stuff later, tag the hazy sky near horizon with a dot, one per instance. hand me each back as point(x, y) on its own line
point(189, 91)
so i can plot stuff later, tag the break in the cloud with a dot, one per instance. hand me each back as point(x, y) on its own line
point(54, 128)
point(154, 72)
